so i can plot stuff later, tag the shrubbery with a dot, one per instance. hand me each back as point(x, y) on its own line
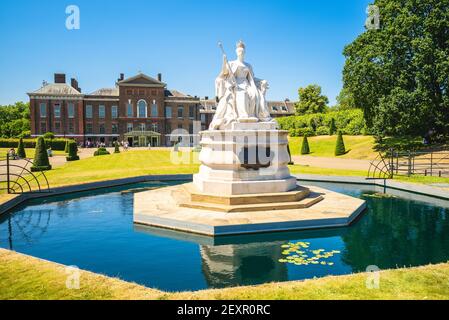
point(72, 150)
point(349, 122)
point(101, 152)
point(55, 144)
point(41, 162)
point(116, 147)
point(340, 145)
point(305, 149)
point(21, 150)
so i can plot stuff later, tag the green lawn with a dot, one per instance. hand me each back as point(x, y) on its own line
point(357, 147)
point(25, 277)
point(121, 165)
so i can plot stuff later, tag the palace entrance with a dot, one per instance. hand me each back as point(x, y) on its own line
point(143, 138)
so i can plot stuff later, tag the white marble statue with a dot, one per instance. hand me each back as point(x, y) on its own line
point(241, 95)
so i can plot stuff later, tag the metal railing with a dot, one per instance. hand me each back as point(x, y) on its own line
point(17, 177)
point(407, 163)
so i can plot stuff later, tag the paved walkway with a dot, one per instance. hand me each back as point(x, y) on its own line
point(332, 163)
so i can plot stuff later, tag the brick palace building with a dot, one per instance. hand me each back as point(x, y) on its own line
point(139, 109)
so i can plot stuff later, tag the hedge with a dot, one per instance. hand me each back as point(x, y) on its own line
point(349, 122)
point(101, 152)
point(41, 162)
point(72, 150)
point(55, 144)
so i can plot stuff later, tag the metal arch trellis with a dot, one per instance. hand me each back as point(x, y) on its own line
point(433, 162)
point(16, 176)
point(382, 167)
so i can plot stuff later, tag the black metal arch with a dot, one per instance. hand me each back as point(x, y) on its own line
point(16, 176)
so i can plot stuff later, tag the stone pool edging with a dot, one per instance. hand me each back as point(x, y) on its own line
point(385, 183)
point(21, 198)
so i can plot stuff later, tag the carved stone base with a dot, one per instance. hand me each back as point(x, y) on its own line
point(251, 158)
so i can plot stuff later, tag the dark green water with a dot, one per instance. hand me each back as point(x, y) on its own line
point(95, 231)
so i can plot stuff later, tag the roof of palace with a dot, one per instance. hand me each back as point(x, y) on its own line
point(56, 89)
point(106, 92)
point(141, 80)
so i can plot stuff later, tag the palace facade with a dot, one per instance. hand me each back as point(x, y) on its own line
point(139, 109)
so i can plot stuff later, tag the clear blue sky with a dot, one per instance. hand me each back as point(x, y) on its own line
point(290, 43)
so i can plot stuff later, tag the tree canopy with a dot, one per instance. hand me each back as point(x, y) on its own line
point(399, 73)
point(311, 100)
point(14, 120)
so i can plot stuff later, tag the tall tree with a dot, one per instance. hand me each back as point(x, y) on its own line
point(311, 100)
point(14, 120)
point(398, 73)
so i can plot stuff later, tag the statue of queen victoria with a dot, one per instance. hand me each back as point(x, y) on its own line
point(241, 95)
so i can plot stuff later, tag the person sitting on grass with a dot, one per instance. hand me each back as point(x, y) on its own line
point(12, 154)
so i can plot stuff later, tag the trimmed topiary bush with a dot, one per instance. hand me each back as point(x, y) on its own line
point(73, 150)
point(116, 147)
point(101, 152)
point(305, 146)
point(21, 149)
point(340, 145)
point(332, 127)
point(41, 162)
point(66, 149)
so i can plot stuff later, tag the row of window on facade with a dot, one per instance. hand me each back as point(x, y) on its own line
point(114, 128)
point(283, 108)
point(141, 111)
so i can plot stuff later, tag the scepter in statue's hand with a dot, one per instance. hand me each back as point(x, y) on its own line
point(227, 63)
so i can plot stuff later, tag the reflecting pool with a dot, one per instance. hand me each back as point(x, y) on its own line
point(95, 231)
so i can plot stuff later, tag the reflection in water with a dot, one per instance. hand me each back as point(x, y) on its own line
point(245, 264)
point(96, 232)
point(397, 232)
point(26, 227)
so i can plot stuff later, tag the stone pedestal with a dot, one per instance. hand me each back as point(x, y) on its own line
point(251, 158)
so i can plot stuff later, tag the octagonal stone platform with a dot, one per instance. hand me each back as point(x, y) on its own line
point(182, 208)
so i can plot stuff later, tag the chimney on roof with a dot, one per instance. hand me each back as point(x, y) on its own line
point(159, 77)
point(59, 77)
point(74, 84)
point(206, 98)
point(122, 77)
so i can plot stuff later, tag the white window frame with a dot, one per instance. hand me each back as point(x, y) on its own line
point(71, 107)
point(43, 106)
point(114, 112)
point(138, 108)
point(57, 106)
point(101, 107)
point(89, 115)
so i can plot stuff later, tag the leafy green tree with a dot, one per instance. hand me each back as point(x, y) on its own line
point(41, 162)
point(332, 127)
point(14, 120)
point(49, 135)
point(73, 150)
point(305, 146)
point(399, 73)
point(345, 100)
point(21, 149)
point(311, 100)
point(340, 145)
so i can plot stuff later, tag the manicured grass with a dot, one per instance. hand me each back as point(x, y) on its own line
point(25, 277)
point(122, 165)
point(358, 147)
point(29, 152)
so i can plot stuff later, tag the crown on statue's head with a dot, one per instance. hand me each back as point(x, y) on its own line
point(240, 44)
